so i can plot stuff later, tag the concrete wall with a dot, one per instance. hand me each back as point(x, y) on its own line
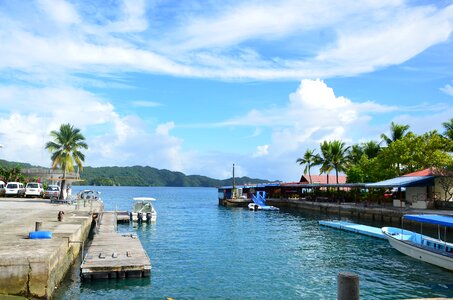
point(415, 194)
point(37, 275)
point(439, 191)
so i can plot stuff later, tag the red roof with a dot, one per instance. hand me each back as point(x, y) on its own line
point(322, 179)
point(425, 172)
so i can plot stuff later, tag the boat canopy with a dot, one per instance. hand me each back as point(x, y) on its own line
point(144, 199)
point(432, 219)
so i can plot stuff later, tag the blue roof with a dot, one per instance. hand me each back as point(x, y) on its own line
point(403, 181)
point(242, 186)
point(432, 219)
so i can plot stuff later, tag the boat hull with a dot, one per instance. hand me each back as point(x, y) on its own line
point(420, 253)
point(234, 202)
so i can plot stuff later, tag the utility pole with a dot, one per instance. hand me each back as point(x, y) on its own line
point(234, 184)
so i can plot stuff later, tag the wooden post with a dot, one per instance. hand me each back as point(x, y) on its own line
point(348, 286)
point(38, 226)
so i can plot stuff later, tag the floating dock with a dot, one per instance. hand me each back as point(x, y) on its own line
point(357, 228)
point(114, 255)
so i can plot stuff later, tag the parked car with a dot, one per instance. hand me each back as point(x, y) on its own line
point(34, 189)
point(2, 189)
point(52, 191)
point(14, 189)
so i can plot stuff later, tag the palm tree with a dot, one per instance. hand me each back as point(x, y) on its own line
point(354, 154)
point(448, 129)
point(371, 149)
point(65, 150)
point(325, 159)
point(338, 156)
point(309, 159)
point(397, 131)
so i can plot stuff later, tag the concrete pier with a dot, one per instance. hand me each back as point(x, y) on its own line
point(33, 268)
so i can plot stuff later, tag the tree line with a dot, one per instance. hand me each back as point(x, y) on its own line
point(400, 153)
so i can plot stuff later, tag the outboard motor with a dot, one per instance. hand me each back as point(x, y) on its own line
point(148, 217)
point(139, 217)
point(130, 217)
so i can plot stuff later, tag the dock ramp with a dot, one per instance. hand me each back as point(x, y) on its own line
point(357, 228)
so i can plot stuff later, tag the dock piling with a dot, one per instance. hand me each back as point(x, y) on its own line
point(348, 286)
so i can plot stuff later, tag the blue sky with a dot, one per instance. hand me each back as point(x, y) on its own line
point(195, 86)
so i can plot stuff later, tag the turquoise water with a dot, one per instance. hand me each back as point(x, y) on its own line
point(200, 250)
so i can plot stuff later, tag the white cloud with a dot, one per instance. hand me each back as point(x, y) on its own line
point(145, 103)
point(399, 38)
point(351, 38)
point(133, 17)
point(447, 89)
point(262, 150)
point(113, 139)
point(60, 11)
point(164, 129)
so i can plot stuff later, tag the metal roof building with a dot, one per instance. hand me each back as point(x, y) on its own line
point(403, 181)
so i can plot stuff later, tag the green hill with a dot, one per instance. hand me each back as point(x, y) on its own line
point(148, 176)
point(142, 176)
point(13, 164)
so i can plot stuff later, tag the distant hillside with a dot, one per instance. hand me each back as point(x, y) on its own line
point(143, 176)
point(148, 176)
point(12, 164)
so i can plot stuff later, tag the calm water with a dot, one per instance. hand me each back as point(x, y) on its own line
point(199, 250)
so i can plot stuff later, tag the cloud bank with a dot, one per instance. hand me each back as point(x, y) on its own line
point(228, 40)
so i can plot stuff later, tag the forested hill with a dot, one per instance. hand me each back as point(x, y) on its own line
point(141, 176)
point(148, 176)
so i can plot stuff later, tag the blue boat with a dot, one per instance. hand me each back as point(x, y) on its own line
point(428, 249)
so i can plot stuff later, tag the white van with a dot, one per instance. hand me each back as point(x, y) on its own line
point(2, 189)
point(34, 189)
point(15, 189)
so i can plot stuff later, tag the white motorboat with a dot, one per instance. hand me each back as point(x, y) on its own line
point(431, 250)
point(254, 206)
point(259, 202)
point(143, 210)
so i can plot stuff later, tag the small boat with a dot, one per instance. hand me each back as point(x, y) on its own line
point(254, 206)
point(259, 202)
point(143, 210)
point(431, 250)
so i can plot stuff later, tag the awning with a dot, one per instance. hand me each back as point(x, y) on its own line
point(432, 219)
point(404, 181)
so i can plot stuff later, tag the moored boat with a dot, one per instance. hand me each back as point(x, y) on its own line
point(259, 202)
point(143, 210)
point(254, 206)
point(422, 247)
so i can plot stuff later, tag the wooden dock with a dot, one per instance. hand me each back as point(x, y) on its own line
point(114, 255)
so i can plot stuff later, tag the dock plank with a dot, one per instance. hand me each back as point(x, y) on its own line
point(114, 255)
